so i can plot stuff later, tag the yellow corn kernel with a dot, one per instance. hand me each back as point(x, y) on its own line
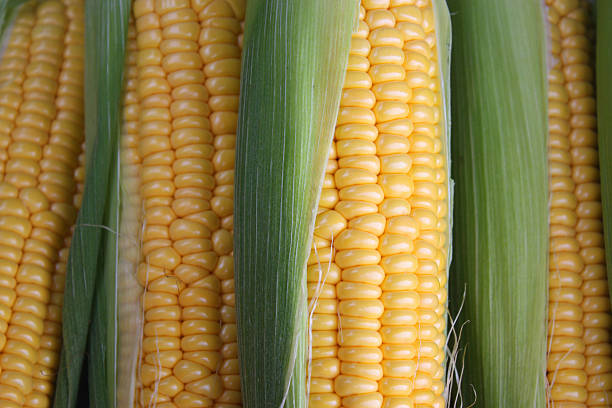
point(576, 301)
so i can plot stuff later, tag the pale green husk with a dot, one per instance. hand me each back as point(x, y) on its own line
point(294, 59)
point(89, 299)
point(603, 86)
point(444, 41)
point(501, 199)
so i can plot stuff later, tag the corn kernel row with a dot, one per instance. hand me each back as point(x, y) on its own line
point(222, 70)
point(322, 276)
point(12, 65)
point(188, 66)
point(579, 360)
point(14, 61)
point(577, 57)
point(565, 346)
point(67, 139)
point(377, 270)
point(426, 226)
point(41, 142)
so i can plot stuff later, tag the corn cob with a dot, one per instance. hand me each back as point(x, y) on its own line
point(377, 270)
point(579, 359)
point(185, 112)
point(41, 88)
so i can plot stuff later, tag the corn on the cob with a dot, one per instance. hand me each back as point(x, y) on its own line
point(41, 104)
point(185, 171)
point(180, 136)
point(377, 270)
point(580, 355)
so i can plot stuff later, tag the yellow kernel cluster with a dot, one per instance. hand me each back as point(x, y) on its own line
point(579, 350)
point(377, 269)
point(222, 69)
point(41, 177)
point(180, 119)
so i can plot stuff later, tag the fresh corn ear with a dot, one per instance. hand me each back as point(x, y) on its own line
point(334, 291)
point(499, 274)
point(377, 270)
point(381, 229)
point(41, 182)
point(579, 322)
point(180, 103)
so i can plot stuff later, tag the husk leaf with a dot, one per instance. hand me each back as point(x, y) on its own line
point(499, 118)
point(89, 271)
point(294, 60)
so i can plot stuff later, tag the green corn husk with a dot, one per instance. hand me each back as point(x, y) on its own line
point(90, 280)
point(499, 119)
point(102, 342)
point(604, 121)
point(294, 59)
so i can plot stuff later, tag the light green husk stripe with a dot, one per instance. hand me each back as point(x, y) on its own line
point(92, 256)
point(294, 61)
point(444, 41)
point(499, 118)
point(603, 86)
